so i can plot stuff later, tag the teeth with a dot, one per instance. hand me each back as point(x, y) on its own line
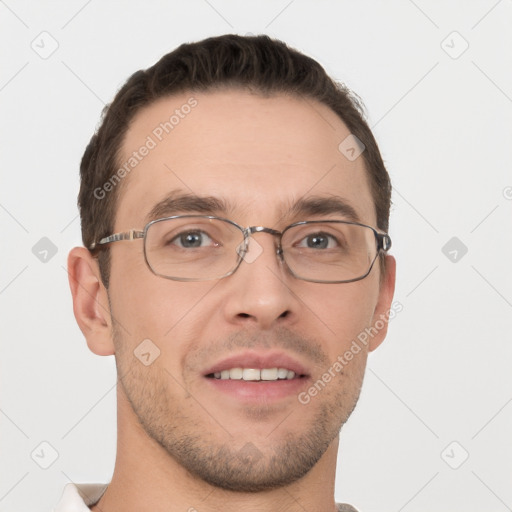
point(251, 374)
point(269, 374)
point(255, 374)
point(282, 373)
point(234, 374)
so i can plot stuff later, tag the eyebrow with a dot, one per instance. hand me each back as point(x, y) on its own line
point(178, 202)
point(318, 205)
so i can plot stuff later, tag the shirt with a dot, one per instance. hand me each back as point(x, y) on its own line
point(77, 498)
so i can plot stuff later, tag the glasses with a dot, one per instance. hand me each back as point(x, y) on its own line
point(204, 247)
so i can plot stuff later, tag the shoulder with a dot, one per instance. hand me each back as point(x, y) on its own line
point(343, 507)
point(78, 497)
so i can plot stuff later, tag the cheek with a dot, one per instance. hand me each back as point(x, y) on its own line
point(168, 313)
point(344, 309)
point(344, 312)
point(146, 304)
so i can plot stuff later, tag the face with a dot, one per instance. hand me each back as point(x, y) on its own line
point(257, 158)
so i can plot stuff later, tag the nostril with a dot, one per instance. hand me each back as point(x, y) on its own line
point(284, 314)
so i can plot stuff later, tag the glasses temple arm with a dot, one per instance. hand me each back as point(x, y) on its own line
point(384, 242)
point(116, 237)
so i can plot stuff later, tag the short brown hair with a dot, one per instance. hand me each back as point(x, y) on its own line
point(257, 63)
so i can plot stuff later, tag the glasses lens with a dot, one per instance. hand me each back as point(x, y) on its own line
point(329, 250)
point(192, 248)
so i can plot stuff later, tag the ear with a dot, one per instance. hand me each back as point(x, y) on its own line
point(383, 307)
point(90, 301)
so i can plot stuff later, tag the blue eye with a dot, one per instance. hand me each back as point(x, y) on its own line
point(318, 241)
point(192, 239)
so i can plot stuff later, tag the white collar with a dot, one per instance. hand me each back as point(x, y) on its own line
point(77, 497)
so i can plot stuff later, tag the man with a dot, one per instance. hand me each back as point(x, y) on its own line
point(234, 211)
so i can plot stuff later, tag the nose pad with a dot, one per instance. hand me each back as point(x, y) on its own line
point(242, 248)
point(249, 250)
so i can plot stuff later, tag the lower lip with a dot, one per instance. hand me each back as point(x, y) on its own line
point(259, 390)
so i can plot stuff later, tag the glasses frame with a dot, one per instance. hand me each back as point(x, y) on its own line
point(383, 241)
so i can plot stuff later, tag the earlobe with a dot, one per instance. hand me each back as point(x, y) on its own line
point(382, 310)
point(90, 301)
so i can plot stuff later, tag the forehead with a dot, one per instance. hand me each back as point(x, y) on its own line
point(258, 155)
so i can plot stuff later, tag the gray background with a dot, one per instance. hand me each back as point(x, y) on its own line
point(437, 391)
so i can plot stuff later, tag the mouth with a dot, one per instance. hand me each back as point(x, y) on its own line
point(255, 377)
point(255, 374)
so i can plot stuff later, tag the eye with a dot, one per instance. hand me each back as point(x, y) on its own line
point(319, 241)
point(192, 239)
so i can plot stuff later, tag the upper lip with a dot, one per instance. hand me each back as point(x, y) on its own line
point(253, 359)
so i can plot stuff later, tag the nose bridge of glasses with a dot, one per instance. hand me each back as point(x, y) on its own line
point(261, 229)
point(249, 231)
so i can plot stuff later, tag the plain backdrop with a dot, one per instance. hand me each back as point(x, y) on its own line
point(432, 430)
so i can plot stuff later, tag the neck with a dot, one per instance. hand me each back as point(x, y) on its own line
point(147, 478)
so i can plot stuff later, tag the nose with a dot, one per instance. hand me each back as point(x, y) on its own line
point(259, 294)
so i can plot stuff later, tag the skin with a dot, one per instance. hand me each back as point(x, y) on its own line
point(261, 155)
